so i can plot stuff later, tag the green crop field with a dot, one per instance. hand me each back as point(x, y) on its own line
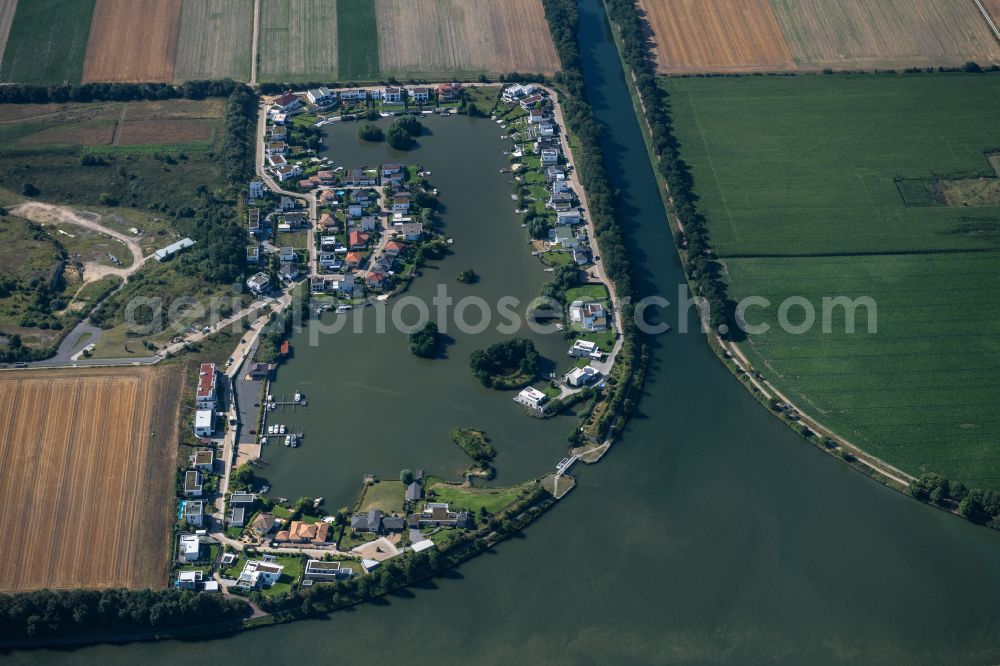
point(298, 40)
point(215, 40)
point(47, 42)
point(798, 180)
point(357, 40)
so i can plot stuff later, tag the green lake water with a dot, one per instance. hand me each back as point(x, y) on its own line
point(710, 533)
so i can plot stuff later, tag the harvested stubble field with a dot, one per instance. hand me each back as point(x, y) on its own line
point(164, 132)
point(87, 462)
point(692, 36)
point(214, 41)
point(298, 40)
point(133, 40)
point(435, 38)
point(7, 8)
point(720, 35)
point(797, 177)
point(885, 33)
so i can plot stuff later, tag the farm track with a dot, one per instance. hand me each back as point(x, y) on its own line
point(86, 498)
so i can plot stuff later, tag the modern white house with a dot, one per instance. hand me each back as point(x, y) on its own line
point(259, 283)
point(256, 189)
point(584, 349)
point(194, 512)
point(203, 426)
point(238, 516)
point(192, 483)
point(287, 171)
point(549, 156)
point(578, 377)
point(190, 547)
point(590, 316)
point(320, 571)
point(393, 95)
point(420, 94)
point(321, 95)
point(532, 397)
point(257, 574)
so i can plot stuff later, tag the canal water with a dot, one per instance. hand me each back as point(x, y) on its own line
point(374, 406)
point(710, 533)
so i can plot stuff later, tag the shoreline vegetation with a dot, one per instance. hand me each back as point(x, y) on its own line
point(599, 423)
point(704, 277)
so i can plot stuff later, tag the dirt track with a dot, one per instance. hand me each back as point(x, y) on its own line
point(42, 213)
point(87, 461)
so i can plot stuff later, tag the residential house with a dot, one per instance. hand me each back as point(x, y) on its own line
point(237, 516)
point(401, 202)
point(286, 204)
point(253, 222)
point(276, 148)
point(190, 547)
point(355, 210)
point(377, 279)
point(253, 254)
point(259, 283)
point(367, 522)
point(358, 240)
point(286, 253)
point(438, 514)
point(568, 217)
point(414, 492)
point(257, 189)
point(549, 156)
point(320, 571)
point(391, 173)
point(420, 95)
point(319, 284)
point(264, 524)
point(328, 261)
point(189, 580)
point(279, 133)
point(591, 316)
point(448, 92)
point(192, 483)
point(369, 223)
point(564, 237)
point(242, 499)
point(518, 91)
point(554, 174)
point(328, 222)
point(276, 161)
point(320, 96)
point(352, 259)
point(257, 574)
point(296, 219)
point(353, 95)
point(204, 425)
point(194, 512)
point(287, 172)
point(287, 102)
point(325, 177)
point(300, 532)
point(259, 370)
point(392, 95)
point(580, 377)
point(561, 200)
point(344, 284)
point(411, 231)
point(202, 460)
point(393, 248)
point(536, 116)
point(288, 272)
point(584, 349)
point(531, 102)
point(207, 392)
point(533, 398)
point(581, 256)
point(360, 178)
point(279, 118)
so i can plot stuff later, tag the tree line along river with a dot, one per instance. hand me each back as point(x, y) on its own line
point(709, 533)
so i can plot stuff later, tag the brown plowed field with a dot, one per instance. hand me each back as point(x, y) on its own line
point(434, 38)
point(132, 40)
point(87, 460)
point(716, 36)
point(993, 7)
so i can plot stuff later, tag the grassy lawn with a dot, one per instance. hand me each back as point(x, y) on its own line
point(386, 495)
point(588, 292)
point(557, 258)
point(297, 239)
point(350, 539)
point(357, 37)
point(472, 499)
point(798, 180)
point(47, 42)
point(605, 339)
point(293, 571)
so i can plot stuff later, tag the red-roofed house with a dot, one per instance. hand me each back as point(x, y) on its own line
point(358, 240)
point(393, 248)
point(352, 259)
point(205, 397)
point(287, 102)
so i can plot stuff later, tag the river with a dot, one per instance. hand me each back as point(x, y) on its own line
point(710, 533)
